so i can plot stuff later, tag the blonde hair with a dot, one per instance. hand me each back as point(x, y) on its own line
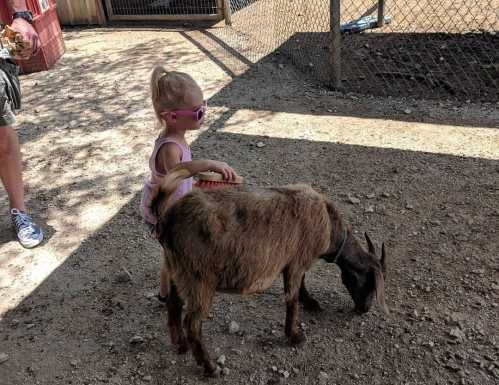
point(168, 90)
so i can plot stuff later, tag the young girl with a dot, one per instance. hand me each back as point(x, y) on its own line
point(179, 107)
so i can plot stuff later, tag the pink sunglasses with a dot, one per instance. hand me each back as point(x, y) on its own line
point(196, 114)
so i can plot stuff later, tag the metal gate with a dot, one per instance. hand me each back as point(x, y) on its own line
point(165, 9)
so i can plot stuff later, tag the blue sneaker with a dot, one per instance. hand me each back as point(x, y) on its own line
point(28, 233)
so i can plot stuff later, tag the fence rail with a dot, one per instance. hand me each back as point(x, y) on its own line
point(164, 9)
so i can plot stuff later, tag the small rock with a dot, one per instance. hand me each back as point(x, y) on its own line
point(435, 222)
point(371, 196)
point(407, 111)
point(457, 333)
point(409, 206)
point(323, 378)
point(225, 372)
point(351, 199)
point(147, 378)
point(260, 144)
point(452, 368)
point(3, 357)
point(221, 360)
point(385, 194)
point(285, 373)
point(233, 327)
point(123, 276)
point(73, 123)
point(30, 326)
point(74, 363)
point(136, 340)
point(295, 370)
point(455, 318)
point(274, 368)
point(281, 66)
point(369, 209)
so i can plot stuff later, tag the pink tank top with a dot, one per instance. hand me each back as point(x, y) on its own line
point(151, 185)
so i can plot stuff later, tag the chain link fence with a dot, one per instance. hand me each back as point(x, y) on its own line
point(445, 49)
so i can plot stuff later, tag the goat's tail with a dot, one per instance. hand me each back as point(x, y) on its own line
point(169, 185)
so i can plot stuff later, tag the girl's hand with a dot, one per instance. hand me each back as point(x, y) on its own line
point(223, 168)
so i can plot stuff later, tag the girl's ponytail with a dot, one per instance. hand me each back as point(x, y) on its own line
point(158, 75)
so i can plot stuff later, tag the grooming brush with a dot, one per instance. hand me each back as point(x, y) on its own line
point(212, 180)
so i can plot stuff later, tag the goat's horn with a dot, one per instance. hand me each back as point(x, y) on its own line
point(383, 258)
point(370, 245)
point(380, 291)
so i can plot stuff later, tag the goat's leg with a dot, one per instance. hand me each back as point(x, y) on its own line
point(177, 335)
point(193, 324)
point(291, 290)
point(308, 302)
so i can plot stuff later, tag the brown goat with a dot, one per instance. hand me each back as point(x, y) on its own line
point(239, 241)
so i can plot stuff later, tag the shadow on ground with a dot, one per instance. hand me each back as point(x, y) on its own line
point(435, 212)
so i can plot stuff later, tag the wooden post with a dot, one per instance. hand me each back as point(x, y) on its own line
point(227, 12)
point(381, 13)
point(109, 8)
point(101, 15)
point(334, 27)
point(71, 12)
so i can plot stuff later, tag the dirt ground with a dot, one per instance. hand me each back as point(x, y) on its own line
point(422, 176)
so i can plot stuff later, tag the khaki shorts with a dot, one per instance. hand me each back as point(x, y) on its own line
point(10, 93)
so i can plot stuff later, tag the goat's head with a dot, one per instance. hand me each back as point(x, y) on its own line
point(363, 274)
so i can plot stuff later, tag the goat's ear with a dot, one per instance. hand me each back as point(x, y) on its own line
point(370, 245)
point(383, 259)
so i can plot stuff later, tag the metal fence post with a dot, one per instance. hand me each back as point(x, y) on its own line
point(227, 12)
point(381, 13)
point(334, 27)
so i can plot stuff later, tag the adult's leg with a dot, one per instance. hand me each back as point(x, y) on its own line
point(10, 167)
point(28, 233)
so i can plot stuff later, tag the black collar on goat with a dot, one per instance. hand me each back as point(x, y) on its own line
point(339, 249)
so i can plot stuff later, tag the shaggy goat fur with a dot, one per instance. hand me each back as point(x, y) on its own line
point(239, 241)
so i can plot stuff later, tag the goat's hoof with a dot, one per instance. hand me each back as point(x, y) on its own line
point(312, 306)
point(297, 339)
point(212, 372)
point(182, 348)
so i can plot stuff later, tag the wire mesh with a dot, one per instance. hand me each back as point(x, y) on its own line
point(445, 49)
point(163, 7)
